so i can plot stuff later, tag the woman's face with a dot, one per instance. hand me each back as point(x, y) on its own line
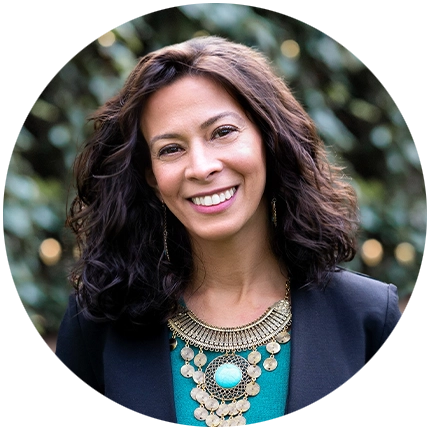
point(208, 160)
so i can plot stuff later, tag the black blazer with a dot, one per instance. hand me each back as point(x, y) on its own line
point(335, 332)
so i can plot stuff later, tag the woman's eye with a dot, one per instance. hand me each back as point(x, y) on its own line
point(169, 150)
point(223, 131)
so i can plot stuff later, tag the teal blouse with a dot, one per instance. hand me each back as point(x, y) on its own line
point(268, 404)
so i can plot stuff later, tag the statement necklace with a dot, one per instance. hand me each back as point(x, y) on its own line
point(225, 384)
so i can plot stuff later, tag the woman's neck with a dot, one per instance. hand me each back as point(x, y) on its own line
point(235, 281)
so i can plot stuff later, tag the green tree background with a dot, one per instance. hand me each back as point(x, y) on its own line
point(356, 117)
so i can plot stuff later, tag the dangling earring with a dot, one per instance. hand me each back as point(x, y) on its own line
point(166, 250)
point(274, 217)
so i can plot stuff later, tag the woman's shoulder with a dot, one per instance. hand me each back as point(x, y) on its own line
point(364, 298)
point(360, 289)
point(359, 283)
point(351, 299)
point(346, 284)
point(94, 331)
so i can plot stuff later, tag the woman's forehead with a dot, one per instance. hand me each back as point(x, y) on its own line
point(196, 98)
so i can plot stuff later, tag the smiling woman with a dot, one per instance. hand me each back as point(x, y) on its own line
point(207, 215)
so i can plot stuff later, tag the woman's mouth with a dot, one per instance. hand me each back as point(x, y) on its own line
point(214, 199)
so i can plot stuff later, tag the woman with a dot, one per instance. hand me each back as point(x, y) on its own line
point(207, 215)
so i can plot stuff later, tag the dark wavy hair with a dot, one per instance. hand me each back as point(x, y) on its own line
point(122, 273)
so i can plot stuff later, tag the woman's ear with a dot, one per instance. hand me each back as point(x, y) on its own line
point(152, 182)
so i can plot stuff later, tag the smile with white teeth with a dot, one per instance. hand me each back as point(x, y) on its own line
point(214, 199)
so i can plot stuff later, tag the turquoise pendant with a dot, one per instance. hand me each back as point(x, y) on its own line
point(228, 375)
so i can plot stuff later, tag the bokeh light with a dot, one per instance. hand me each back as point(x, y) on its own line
point(50, 251)
point(290, 48)
point(201, 33)
point(107, 39)
point(405, 253)
point(372, 252)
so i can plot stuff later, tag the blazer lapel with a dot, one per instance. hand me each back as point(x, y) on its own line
point(323, 346)
point(140, 376)
point(300, 351)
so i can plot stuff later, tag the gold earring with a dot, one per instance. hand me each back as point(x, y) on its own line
point(166, 249)
point(274, 217)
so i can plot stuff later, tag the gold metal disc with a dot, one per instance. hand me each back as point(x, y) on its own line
point(200, 359)
point(254, 357)
point(202, 396)
point(233, 410)
point(270, 364)
point(283, 337)
point(239, 421)
point(223, 409)
point(211, 404)
point(273, 347)
point(173, 342)
point(213, 420)
point(254, 371)
point(187, 370)
point(194, 392)
point(243, 405)
point(201, 413)
point(199, 377)
point(187, 353)
point(252, 389)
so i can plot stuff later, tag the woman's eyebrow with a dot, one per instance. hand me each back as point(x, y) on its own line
point(221, 115)
point(203, 126)
point(163, 136)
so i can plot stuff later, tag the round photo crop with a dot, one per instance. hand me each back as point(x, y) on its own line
point(360, 77)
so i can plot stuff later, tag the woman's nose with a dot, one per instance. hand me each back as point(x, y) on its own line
point(203, 162)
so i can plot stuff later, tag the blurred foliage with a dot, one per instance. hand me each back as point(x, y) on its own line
point(355, 116)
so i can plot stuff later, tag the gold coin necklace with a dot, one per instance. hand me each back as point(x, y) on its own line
point(224, 385)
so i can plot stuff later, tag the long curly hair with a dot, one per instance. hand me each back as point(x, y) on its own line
point(122, 273)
